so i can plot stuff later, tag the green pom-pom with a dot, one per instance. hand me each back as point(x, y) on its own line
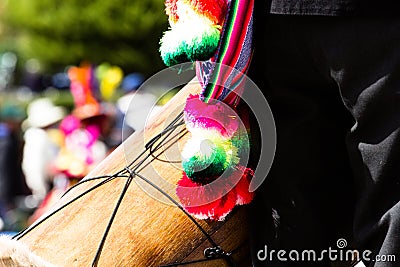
point(206, 159)
point(203, 43)
point(189, 42)
point(242, 142)
point(172, 49)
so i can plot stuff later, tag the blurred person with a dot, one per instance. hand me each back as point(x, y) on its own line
point(83, 133)
point(81, 151)
point(85, 128)
point(40, 149)
point(12, 182)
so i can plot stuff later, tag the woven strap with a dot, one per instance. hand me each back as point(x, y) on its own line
point(235, 50)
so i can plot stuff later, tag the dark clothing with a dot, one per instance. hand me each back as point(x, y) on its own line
point(334, 7)
point(314, 7)
point(12, 183)
point(333, 84)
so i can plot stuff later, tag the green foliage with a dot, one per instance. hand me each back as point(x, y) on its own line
point(62, 32)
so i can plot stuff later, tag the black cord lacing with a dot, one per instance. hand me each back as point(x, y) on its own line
point(132, 171)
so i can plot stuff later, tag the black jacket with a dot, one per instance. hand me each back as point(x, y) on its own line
point(334, 7)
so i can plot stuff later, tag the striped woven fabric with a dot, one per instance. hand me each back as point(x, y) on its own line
point(222, 77)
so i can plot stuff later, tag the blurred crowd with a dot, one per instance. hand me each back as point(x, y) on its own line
point(46, 148)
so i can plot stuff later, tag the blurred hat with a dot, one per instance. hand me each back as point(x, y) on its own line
point(42, 113)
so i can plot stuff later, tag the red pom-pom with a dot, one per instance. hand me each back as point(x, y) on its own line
point(171, 10)
point(205, 202)
point(215, 10)
point(242, 188)
point(215, 200)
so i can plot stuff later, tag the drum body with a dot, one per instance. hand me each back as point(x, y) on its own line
point(148, 230)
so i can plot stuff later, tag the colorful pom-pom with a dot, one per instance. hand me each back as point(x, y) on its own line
point(189, 42)
point(202, 43)
point(172, 49)
point(216, 115)
point(215, 201)
point(242, 187)
point(213, 9)
point(195, 30)
point(171, 9)
point(213, 181)
point(207, 156)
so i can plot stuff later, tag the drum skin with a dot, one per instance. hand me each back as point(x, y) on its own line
point(146, 231)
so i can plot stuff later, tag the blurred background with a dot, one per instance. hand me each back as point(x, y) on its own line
point(68, 73)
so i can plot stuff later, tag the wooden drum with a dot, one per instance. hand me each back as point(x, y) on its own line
point(148, 229)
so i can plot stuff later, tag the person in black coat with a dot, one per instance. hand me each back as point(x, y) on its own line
point(330, 71)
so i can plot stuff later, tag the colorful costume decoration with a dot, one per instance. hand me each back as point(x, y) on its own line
point(219, 31)
point(82, 149)
point(195, 30)
point(82, 84)
point(89, 85)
